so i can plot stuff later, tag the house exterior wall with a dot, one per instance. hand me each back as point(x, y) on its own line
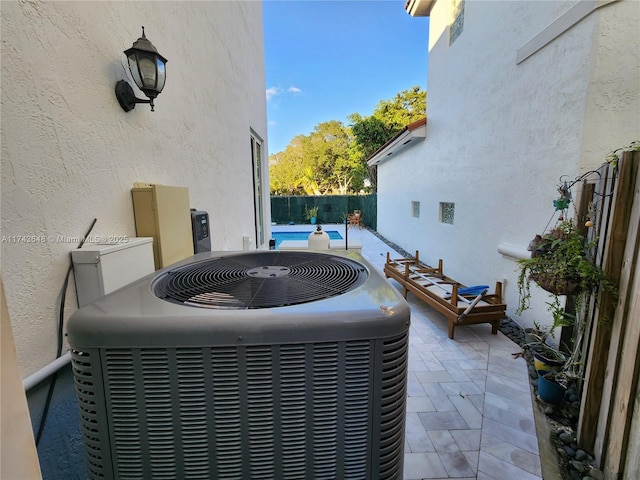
point(71, 154)
point(500, 134)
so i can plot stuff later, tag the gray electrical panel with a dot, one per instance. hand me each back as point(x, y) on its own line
point(201, 234)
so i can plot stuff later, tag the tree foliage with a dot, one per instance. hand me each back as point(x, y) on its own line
point(389, 118)
point(332, 158)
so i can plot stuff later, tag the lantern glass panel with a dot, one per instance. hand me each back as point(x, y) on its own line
point(161, 75)
point(147, 66)
point(133, 68)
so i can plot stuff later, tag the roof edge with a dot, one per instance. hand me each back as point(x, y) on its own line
point(419, 8)
point(408, 136)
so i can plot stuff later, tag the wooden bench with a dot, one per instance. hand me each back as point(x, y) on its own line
point(447, 296)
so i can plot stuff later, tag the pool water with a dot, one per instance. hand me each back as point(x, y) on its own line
point(280, 236)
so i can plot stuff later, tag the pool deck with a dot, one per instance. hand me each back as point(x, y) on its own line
point(333, 245)
point(470, 413)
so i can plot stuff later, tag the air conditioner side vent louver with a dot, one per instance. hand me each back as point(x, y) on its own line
point(90, 401)
point(395, 367)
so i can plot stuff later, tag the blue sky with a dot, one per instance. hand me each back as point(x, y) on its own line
point(325, 60)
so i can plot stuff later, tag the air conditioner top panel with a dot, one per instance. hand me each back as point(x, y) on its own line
point(354, 301)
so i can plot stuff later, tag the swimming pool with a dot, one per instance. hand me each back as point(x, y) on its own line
point(280, 236)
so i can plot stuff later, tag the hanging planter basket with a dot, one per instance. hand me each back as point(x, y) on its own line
point(556, 285)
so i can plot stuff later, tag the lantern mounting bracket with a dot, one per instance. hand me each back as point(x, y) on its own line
point(126, 97)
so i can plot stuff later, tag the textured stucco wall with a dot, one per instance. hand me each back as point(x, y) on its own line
point(500, 135)
point(71, 154)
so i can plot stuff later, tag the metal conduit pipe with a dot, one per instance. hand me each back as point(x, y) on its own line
point(46, 371)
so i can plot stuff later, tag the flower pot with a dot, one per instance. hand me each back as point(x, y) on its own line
point(313, 220)
point(544, 364)
point(550, 391)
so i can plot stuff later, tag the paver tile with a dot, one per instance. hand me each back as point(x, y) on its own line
point(517, 406)
point(494, 468)
point(510, 418)
point(456, 370)
point(456, 464)
point(420, 404)
point(443, 441)
point(431, 361)
point(436, 376)
point(514, 436)
point(439, 397)
point(472, 459)
point(507, 390)
point(443, 421)
point(511, 454)
point(423, 466)
point(478, 401)
point(467, 410)
point(460, 388)
point(467, 440)
point(414, 387)
point(416, 435)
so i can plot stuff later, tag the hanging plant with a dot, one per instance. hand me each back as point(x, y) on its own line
point(561, 264)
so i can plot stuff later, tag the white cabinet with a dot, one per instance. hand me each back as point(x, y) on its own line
point(102, 268)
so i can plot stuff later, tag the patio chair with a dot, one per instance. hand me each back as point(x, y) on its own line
point(355, 219)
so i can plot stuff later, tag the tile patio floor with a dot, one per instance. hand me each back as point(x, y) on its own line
point(469, 405)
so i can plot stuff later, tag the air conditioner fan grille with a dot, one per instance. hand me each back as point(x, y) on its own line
point(260, 280)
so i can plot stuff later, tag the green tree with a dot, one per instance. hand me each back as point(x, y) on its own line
point(319, 163)
point(388, 119)
point(329, 149)
point(332, 158)
point(286, 168)
point(406, 107)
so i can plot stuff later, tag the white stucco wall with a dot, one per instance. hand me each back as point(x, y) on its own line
point(499, 134)
point(71, 154)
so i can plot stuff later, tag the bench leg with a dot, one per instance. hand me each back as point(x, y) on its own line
point(494, 326)
point(452, 327)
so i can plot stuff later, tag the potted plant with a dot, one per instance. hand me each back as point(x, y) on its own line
point(552, 387)
point(545, 357)
point(561, 264)
point(552, 384)
point(311, 214)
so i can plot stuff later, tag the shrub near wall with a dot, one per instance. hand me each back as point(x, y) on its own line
point(331, 208)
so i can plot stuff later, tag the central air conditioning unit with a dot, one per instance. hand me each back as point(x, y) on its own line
point(263, 365)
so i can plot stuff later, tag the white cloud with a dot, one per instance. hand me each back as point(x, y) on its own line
point(275, 91)
point(272, 92)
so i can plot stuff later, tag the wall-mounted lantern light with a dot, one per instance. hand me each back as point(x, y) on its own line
point(147, 69)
